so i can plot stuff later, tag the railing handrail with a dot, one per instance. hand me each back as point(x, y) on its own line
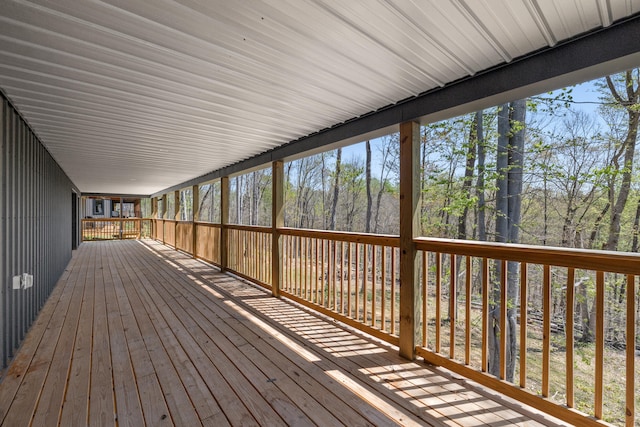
point(257, 228)
point(344, 236)
point(588, 259)
point(209, 224)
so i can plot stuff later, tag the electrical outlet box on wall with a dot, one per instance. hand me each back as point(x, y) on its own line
point(23, 281)
point(27, 280)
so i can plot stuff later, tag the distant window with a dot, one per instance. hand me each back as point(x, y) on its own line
point(98, 207)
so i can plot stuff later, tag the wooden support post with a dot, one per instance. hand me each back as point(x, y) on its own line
point(154, 217)
point(165, 216)
point(177, 211)
point(277, 222)
point(409, 229)
point(121, 212)
point(224, 220)
point(195, 201)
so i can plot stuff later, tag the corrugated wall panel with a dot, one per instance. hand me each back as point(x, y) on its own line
point(35, 232)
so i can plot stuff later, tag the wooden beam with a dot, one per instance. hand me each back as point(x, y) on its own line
point(277, 222)
point(154, 217)
point(409, 228)
point(121, 212)
point(195, 202)
point(224, 220)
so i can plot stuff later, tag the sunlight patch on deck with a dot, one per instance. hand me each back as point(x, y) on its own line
point(301, 351)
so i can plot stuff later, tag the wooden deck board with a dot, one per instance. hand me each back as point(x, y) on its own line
point(75, 408)
point(136, 333)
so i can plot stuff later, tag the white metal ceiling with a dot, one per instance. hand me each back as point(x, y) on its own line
point(133, 96)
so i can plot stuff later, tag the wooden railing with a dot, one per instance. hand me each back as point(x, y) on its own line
point(349, 276)
point(465, 297)
point(169, 230)
point(158, 229)
point(115, 228)
point(463, 302)
point(249, 252)
point(208, 242)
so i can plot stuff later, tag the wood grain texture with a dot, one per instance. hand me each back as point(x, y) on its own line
point(137, 333)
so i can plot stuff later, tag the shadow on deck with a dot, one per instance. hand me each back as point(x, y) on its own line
point(136, 333)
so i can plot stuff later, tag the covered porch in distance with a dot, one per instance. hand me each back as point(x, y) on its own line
point(137, 333)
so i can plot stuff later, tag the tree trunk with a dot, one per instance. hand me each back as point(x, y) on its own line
point(367, 224)
point(482, 231)
point(636, 224)
point(423, 180)
point(466, 192)
point(629, 147)
point(336, 190)
point(203, 201)
point(502, 231)
point(509, 162)
point(514, 198)
point(468, 178)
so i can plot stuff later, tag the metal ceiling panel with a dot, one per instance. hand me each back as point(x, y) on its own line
point(132, 96)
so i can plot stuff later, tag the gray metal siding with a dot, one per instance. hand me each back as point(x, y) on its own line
point(35, 232)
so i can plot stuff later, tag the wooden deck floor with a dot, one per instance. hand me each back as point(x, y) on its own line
point(138, 334)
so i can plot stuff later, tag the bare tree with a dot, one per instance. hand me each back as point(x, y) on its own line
point(509, 162)
point(336, 189)
point(625, 90)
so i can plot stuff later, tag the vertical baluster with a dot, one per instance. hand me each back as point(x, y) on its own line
point(357, 291)
point(335, 275)
point(393, 290)
point(599, 383)
point(630, 351)
point(291, 264)
point(467, 310)
point(349, 310)
point(374, 249)
point(330, 275)
point(453, 315)
point(288, 270)
point(323, 275)
point(568, 327)
point(365, 279)
point(546, 328)
point(523, 324)
point(425, 294)
point(485, 314)
point(342, 278)
point(255, 237)
point(503, 319)
point(299, 266)
point(438, 298)
point(383, 305)
point(305, 244)
point(314, 296)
